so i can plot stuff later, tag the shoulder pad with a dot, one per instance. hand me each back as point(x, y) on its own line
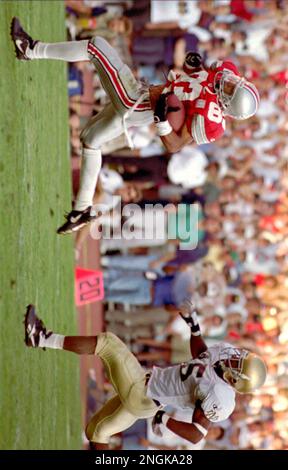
point(219, 402)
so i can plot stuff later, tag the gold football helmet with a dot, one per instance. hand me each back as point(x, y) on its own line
point(242, 369)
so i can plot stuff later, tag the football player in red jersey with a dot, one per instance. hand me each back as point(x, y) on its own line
point(207, 94)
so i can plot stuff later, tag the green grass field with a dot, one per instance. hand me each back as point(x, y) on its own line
point(39, 391)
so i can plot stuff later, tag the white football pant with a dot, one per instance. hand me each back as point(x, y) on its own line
point(130, 104)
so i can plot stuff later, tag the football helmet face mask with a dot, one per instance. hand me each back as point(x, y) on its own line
point(237, 97)
point(243, 370)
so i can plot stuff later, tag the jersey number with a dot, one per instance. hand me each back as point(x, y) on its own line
point(196, 370)
point(214, 113)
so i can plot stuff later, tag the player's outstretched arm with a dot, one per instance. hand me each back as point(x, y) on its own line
point(192, 432)
point(189, 315)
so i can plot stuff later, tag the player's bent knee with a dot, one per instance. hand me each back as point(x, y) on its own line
point(87, 145)
point(85, 142)
point(105, 339)
point(98, 432)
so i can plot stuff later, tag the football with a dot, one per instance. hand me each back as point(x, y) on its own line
point(175, 118)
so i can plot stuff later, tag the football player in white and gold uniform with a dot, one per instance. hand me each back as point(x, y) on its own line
point(206, 384)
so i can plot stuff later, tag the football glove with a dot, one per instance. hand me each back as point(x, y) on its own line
point(193, 60)
point(189, 315)
point(156, 423)
point(161, 108)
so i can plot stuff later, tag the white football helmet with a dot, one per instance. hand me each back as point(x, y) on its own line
point(243, 370)
point(237, 97)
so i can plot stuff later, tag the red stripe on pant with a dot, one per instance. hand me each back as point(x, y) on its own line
point(113, 74)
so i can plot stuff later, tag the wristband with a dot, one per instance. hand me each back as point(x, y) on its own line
point(165, 418)
point(195, 330)
point(163, 128)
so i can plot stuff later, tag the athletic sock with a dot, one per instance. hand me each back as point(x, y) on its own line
point(71, 51)
point(54, 341)
point(91, 166)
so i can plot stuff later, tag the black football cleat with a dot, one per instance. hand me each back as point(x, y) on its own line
point(76, 220)
point(34, 328)
point(22, 41)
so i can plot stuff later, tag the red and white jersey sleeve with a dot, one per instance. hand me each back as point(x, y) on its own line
point(207, 122)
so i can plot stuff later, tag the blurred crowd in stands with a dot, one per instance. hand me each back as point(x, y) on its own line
point(237, 274)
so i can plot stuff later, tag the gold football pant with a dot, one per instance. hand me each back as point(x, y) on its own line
point(128, 379)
